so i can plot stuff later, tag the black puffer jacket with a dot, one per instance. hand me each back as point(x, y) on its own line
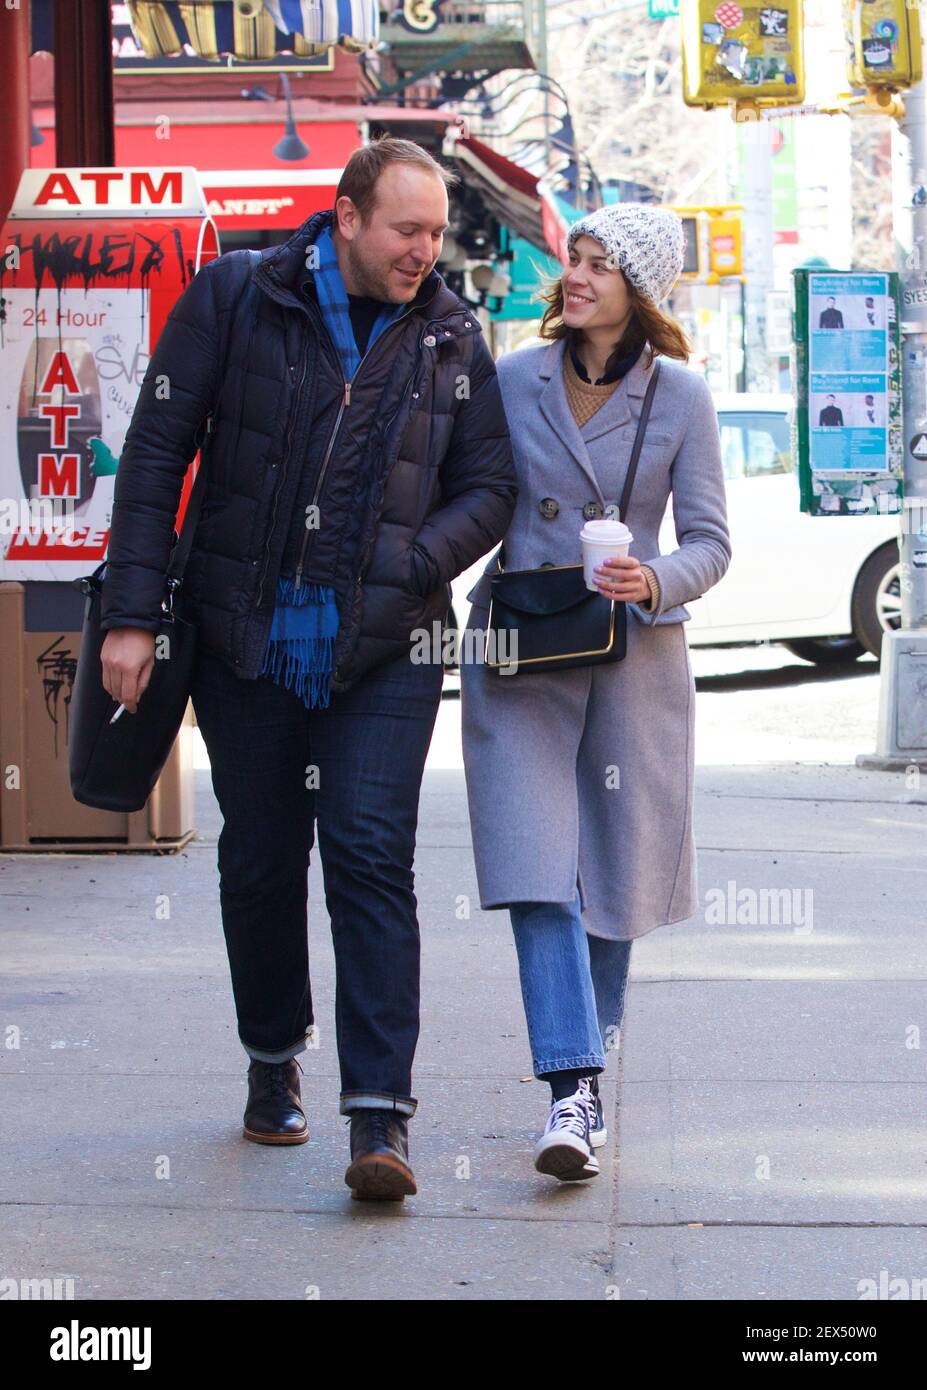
point(419, 456)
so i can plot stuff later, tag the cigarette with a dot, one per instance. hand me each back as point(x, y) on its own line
point(120, 710)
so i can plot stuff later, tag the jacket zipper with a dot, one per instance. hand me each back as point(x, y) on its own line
point(384, 430)
point(286, 459)
point(345, 402)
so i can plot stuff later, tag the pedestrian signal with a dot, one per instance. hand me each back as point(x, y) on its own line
point(735, 53)
point(883, 43)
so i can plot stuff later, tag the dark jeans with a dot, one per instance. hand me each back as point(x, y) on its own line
point(369, 749)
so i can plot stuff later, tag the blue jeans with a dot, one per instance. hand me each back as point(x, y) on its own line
point(573, 986)
point(356, 768)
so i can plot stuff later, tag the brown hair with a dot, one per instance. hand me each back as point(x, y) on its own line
point(359, 179)
point(648, 324)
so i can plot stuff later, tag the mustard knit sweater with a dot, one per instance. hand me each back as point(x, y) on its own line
point(585, 399)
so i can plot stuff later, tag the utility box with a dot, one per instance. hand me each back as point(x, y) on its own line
point(846, 373)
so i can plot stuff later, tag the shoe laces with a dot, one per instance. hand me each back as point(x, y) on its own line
point(572, 1113)
point(379, 1122)
point(384, 1123)
point(589, 1087)
point(273, 1077)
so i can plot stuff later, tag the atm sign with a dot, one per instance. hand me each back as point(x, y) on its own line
point(109, 193)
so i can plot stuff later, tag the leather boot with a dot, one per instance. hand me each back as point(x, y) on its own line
point(379, 1168)
point(274, 1114)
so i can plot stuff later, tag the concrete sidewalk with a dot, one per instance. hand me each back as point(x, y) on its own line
point(767, 1111)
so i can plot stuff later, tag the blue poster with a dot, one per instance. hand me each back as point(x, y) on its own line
point(848, 326)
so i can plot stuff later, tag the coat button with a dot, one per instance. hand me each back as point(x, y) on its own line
point(415, 395)
point(430, 340)
point(467, 324)
point(592, 511)
point(549, 507)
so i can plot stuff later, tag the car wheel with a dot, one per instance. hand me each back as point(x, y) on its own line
point(877, 597)
point(826, 651)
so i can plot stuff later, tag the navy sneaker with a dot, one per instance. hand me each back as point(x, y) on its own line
point(598, 1134)
point(564, 1150)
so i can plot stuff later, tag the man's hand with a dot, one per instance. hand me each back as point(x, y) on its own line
point(622, 578)
point(128, 660)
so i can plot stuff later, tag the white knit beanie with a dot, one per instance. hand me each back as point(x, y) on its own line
point(645, 241)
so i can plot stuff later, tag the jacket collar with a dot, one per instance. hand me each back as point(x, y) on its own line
point(634, 382)
point(615, 413)
point(282, 273)
point(618, 365)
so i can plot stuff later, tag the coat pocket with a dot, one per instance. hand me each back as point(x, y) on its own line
point(418, 578)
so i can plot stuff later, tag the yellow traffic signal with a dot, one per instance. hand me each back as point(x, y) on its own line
point(736, 53)
point(712, 243)
point(883, 43)
point(725, 246)
point(691, 248)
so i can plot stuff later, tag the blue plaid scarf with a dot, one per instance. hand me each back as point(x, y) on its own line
point(301, 643)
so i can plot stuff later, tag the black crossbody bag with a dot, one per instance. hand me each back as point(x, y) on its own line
point(546, 618)
point(115, 766)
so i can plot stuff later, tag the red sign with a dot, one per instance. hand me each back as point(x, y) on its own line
point(112, 192)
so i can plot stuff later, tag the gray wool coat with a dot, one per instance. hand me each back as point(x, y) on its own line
point(584, 776)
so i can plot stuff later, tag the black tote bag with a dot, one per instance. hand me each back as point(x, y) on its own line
point(114, 766)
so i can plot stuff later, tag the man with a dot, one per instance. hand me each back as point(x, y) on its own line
point(831, 416)
point(870, 311)
point(870, 409)
point(831, 317)
point(359, 460)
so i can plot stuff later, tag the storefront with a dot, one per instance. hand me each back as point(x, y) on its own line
point(255, 199)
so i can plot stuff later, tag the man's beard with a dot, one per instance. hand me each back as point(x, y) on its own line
point(372, 283)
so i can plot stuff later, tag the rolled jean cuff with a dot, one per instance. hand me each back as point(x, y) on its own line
point(594, 1060)
point(376, 1100)
point(284, 1054)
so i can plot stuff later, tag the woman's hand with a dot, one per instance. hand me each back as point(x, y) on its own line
point(622, 578)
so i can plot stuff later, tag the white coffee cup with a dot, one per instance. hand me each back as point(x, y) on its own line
point(602, 539)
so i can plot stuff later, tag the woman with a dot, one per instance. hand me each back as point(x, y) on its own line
point(580, 780)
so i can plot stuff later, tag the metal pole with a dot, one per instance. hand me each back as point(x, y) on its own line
point(84, 117)
point(913, 270)
point(901, 741)
point(542, 48)
point(758, 248)
point(15, 115)
point(742, 374)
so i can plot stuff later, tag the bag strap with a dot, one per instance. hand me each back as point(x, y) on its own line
point(638, 441)
point(181, 551)
point(635, 452)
